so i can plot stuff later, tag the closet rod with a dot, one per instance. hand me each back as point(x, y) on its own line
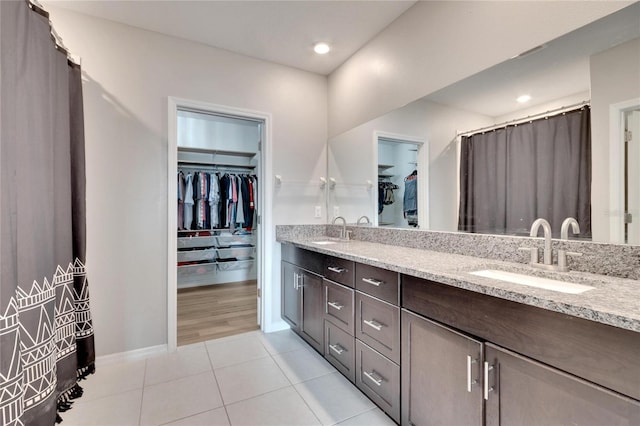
point(197, 165)
point(525, 119)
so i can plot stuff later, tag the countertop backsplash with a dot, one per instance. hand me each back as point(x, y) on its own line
point(598, 258)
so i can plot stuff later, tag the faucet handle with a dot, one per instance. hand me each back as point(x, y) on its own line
point(562, 259)
point(533, 251)
point(347, 235)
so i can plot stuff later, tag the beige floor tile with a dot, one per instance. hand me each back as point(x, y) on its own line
point(278, 408)
point(113, 379)
point(217, 417)
point(282, 341)
point(333, 398)
point(224, 353)
point(187, 361)
point(180, 398)
point(250, 379)
point(303, 364)
point(122, 409)
point(375, 417)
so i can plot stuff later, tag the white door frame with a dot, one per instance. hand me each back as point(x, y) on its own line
point(616, 168)
point(423, 173)
point(264, 214)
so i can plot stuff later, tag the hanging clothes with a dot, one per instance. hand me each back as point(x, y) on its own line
point(410, 200)
point(181, 189)
point(214, 200)
point(240, 206)
point(201, 186)
point(188, 201)
point(385, 194)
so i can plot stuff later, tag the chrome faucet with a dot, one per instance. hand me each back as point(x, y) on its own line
point(548, 253)
point(535, 227)
point(344, 234)
point(564, 235)
point(363, 217)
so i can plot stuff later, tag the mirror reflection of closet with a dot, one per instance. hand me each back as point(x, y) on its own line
point(397, 193)
point(632, 177)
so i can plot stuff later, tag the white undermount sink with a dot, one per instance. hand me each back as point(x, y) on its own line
point(322, 243)
point(532, 281)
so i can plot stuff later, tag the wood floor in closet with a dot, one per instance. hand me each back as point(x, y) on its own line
point(214, 311)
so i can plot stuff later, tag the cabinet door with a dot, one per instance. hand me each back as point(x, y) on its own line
point(522, 391)
point(312, 329)
point(291, 295)
point(440, 375)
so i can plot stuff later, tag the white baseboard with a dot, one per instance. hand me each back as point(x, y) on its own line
point(133, 355)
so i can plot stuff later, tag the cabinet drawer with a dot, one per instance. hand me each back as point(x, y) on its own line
point(306, 259)
point(339, 270)
point(339, 305)
point(339, 350)
point(380, 283)
point(379, 379)
point(378, 325)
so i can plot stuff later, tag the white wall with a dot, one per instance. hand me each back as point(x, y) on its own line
point(436, 43)
point(615, 78)
point(128, 75)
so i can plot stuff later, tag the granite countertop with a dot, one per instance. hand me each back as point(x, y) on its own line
point(614, 301)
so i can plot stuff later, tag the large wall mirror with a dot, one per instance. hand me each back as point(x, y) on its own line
point(598, 64)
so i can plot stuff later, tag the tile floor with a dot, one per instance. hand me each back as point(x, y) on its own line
point(250, 379)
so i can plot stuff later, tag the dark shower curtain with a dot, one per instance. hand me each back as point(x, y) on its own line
point(46, 332)
point(513, 175)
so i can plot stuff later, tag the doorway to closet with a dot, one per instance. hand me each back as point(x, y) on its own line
point(217, 224)
point(402, 168)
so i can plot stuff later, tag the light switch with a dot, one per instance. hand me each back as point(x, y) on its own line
point(318, 211)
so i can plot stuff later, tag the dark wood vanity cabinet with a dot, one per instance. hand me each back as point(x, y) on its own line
point(431, 354)
point(554, 371)
point(441, 369)
point(522, 391)
point(301, 304)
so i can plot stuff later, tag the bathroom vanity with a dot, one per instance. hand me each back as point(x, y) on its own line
point(432, 343)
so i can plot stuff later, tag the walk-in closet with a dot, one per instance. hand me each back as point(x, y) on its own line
point(397, 183)
point(217, 225)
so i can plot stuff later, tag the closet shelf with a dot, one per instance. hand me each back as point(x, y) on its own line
point(385, 166)
point(247, 154)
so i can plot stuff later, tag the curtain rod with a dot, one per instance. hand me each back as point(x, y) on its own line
point(35, 6)
point(525, 119)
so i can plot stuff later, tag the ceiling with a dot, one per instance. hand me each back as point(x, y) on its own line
point(283, 32)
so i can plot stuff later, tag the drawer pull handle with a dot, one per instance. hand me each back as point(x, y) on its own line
point(335, 305)
point(487, 389)
point(470, 382)
point(336, 269)
point(373, 324)
point(372, 281)
point(372, 376)
point(337, 349)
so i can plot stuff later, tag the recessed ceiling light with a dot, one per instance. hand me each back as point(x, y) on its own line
point(524, 98)
point(321, 48)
